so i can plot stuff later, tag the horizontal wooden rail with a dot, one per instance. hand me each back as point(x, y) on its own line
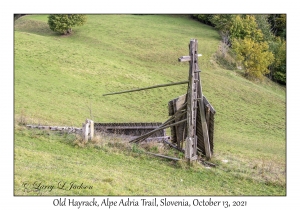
point(163, 156)
point(126, 127)
point(147, 88)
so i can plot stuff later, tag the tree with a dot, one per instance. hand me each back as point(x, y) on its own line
point(223, 23)
point(254, 56)
point(245, 27)
point(17, 16)
point(257, 42)
point(265, 27)
point(204, 18)
point(278, 67)
point(64, 23)
point(278, 25)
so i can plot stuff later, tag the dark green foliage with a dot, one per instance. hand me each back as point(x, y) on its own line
point(204, 18)
point(64, 23)
point(278, 25)
point(265, 27)
point(17, 16)
point(278, 67)
point(222, 22)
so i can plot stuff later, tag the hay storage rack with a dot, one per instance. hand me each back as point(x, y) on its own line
point(192, 116)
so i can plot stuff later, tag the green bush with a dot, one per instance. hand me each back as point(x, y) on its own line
point(63, 23)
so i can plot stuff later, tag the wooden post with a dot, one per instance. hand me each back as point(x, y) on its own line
point(193, 96)
point(191, 140)
point(87, 130)
point(92, 131)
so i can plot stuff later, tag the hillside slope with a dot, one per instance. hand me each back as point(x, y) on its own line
point(60, 80)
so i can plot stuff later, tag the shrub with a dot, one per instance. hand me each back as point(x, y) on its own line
point(63, 23)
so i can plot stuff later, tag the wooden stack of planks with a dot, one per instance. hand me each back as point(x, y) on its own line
point(132, 129)
point(178, 132)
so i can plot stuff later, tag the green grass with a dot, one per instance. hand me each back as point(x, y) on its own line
point(58, 79)
point(51, 159)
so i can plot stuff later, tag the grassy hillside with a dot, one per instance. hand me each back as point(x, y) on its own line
point(59, 79)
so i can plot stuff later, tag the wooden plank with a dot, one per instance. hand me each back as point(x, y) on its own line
point(191, 144)
point(187, 58)
point(152, 124)
point(202, 116)
point(184, 58)
point(128, 127)
point(177, 131)
point(195, 95)
point(163, 156)
point(151, 132)
point(147, 88)
point(207, 116)
point(92, 130)
point(180, 101)
point(205, 131)
point(172, 145)
point(206, 102)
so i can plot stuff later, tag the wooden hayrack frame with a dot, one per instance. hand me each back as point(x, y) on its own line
point(192, 116)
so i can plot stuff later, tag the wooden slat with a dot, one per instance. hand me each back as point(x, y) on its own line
point(147, 88)
point(203, 124)
point(163, 156)
point(191, 143)
point(210, 132)
point(206, 102)
point(151, 132)
point(184, 58)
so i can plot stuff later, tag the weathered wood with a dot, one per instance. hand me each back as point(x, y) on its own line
point(210, 127)
point(191, 143)
point(151, 132)
point(184, 58)
point(208, 163)
point(133, 129)
point(207, 116)
point(173, 146)
point(212, 110)
point(202, 115)
point(127, 127)
point(147, 88)
point(56, 128)
point(163, 156)
point(92, 130)
point(177, 131)
point(87, 130)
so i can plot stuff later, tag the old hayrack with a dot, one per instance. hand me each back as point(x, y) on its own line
point(192, 116)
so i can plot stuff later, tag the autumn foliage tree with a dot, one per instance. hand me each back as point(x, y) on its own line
point(63, 23)
point(250, 47)
point(257, 42)
point(254, 56)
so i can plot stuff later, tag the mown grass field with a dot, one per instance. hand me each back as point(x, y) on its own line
point(59, 80)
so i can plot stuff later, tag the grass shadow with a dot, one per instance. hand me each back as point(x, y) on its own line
point(33, 27)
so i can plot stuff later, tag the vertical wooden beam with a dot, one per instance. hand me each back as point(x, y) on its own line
point(88, 130)
point(92, 130)
point(191, 140)
point(202, 114)
point(85, 130)
point(207, 108)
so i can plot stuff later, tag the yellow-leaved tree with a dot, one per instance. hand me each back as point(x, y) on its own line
point(254, 56)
